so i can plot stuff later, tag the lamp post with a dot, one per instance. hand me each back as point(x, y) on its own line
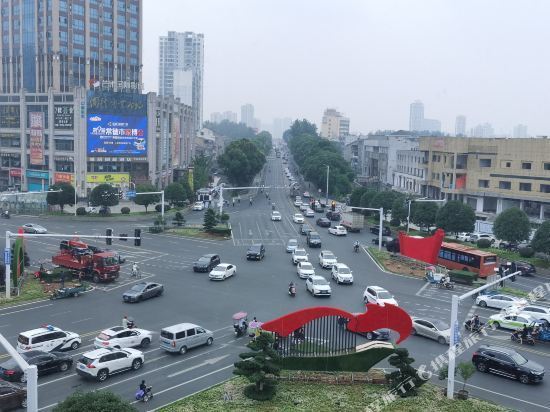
point(328, 171)
point(423, 199)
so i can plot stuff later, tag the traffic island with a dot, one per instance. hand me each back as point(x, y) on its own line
point(397, 264)
point(31, 290)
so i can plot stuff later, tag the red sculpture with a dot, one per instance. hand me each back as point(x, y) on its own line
point(424, 249)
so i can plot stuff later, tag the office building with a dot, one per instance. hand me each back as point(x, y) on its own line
point(520, 131)
point(431, 125)
point(181, 69)
point(483, 130)
point(65, 44)
point(334, 126)
point(216, 117)
point(247, 115)
point(460, 126)
point(416, 116)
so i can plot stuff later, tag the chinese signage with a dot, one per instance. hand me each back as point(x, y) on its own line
point(175, 149)
point(37, 174)
point(119, 85)
point(36, 138)
point(113, 135)
point(16, 172)
point(60, 177)
point(9, 117)
point(107, 178)
point(63, 117)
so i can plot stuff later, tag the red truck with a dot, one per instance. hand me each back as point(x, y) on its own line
point(96, 266)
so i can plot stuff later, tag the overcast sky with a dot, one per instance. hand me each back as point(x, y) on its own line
point(488, 60)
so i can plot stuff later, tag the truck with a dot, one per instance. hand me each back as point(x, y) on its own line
point(98, 267)
point(353, 222)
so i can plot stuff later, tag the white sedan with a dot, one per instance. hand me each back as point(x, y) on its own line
point(120, 337)
point(198, 206)
point(34, 228)
point(341, 273)
point(298, 218)
point(338, 230)
point(297, 203)
point(305, 270)
point(309, 213)
point(318, 286)
point(499, 301)
point(539, 312)
point(378, 295)
point(511, 321)
point(299, 255)
point(223, 271)
point(276, 216)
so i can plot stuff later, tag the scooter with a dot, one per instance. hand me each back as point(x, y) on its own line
point(240, 330)
point(446, 285)
point(5, 215)
point(468, 325)
point(516, 337)
point(292, 290)
point(145, 395)
point(356, 248)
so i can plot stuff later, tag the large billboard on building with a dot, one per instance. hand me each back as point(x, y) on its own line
point(116, 124)
point(108, 178)
point(36, 138)
point(63, 117)
point(10, 116)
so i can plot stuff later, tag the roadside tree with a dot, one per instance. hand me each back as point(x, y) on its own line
point(512, 225)
point(384, 199)
point(202, 166)
point(175, 194)
point(541, 240)
point(356, 194)
point(241, 161)
point(456, 216)
point(104, 195)
point(424, 213)
point(210, 220)
point(146, 199)
point(65, 197)
point(97, 401)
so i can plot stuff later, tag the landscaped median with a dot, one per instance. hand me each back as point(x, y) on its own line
point(32, 290)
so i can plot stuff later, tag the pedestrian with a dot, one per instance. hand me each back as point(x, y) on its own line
point(233, 202)
point(239, 200)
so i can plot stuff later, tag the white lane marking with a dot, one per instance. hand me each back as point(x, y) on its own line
point(82, 320)
point(23, 304)
point(422, 289)
point(200, 365)
point(24, 310)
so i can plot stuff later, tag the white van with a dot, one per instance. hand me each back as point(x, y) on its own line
point(47, 339)
point(179, 338)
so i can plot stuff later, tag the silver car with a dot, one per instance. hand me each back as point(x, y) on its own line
point(433, 329)
point(291, 245)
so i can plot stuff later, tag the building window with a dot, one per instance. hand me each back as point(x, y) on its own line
point(525, 187)
point(107, 30)
point(121, 33)
point(133, 35)
point(66, 145)
point(484, 162)
point(483, 183)
point(133, 49)
point(78, 52)
point(505, 163)
point(94, 14)
point(545, 188)
point(94, 42)
point(107, 44)
point(108, 58)
point(121, 47)
point(94, 55)
point(133, 22)
point(63, 35)
point(62, 6)
point(526, 165)
point(78, 39)
point(504, 185)
point(108, 16)
point(78, 10)
point(121, 19)
point(546, 166)
point(94, 28)
point(78, 24)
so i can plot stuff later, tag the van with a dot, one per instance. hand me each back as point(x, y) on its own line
point(184, 336)
point(47, 339)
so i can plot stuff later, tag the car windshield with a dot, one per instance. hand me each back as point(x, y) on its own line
point(103, 336)
point(300, 252)
point(328, 256)
point(109, 261)
point(440, 325)
point(320, 281)
point(306, 266)
point(344, 271)
point(204, 259)
point(139, 287)
point(520, 360)
point(292, 242)
point(384, 294)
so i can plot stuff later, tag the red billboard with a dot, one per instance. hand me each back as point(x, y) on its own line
point(36, 138)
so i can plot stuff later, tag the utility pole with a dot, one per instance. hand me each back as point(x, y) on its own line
point(328, 171)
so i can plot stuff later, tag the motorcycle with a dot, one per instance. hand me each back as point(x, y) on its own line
point(356, 248)
point(292, 290)
point(468, 326)
point(516, 336)
point(145, 395)
point(5, 215)
point(446, 285)
point(240, 323)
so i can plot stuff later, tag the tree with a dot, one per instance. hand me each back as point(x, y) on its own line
point(356, 194)
point(456, 216)
point(366, 198)
point(231, 130)
point(210, 220)
point(202, 166)
point(263, 141)
point(99, 401)
point(424, 213)
point(541, 240)
point(241, 161)
point(400, 380)
point(104, 195)
point(259, 366)
point(65, 197)
point(301, 127)
point(384, 199)
point(175, 194)
point(179, 220)
point(512, 225)
point(146, 200)
point(399, 208)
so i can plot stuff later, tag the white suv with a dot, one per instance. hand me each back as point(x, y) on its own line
point(327, 259)
point(47, 339)
point(299, 255)
point(341, 273)
point(101, 363)
point(118, 337)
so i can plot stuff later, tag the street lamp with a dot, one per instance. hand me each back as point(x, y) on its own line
point(328, 171)
point(422, 199)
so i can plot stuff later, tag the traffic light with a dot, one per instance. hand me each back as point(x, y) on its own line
point(137, 235)
point(109, 239)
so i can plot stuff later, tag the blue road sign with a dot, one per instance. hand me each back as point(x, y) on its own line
point(130, 194)
point(7, 255)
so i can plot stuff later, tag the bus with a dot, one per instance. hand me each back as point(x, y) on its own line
point(463, 257)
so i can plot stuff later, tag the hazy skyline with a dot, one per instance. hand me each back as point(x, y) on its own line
point(368, 59)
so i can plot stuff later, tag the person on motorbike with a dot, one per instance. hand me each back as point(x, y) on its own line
point(525, 333)
point(475, 323)
point(135, 270)
point(291, 286)
point(356, 246)
point(272, 206)
point(143, 386)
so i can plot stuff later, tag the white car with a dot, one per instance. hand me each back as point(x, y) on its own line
point(539, 312)
point(291, 245)
point(513, 322)
point(276, 216)
point(298, 218)
point(378, 295)
point(463, 236)
point(47, 339)
point(499, 301)
point(119, 337)
point(433, 329)
point(309, 213)
point(318, 286)
point(305, 270)
point(327, 259)
point(338, 230)
point(198, 206)
point(341, 273)
point(299, 255)
point(297, 203)
point(474, 237)
point(222, 271)
point(34, 228)
point(303, 207)
point(101, 363)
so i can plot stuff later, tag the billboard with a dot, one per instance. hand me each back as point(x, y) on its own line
point(113, 135)
point(63, 116)
point(36, 138)
point(107, 178)
point(62, 177)
point(10, 117)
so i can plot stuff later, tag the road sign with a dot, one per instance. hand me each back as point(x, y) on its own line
point(7, 255)
point(130, 194)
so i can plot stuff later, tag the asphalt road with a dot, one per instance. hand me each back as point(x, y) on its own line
point(260, 288)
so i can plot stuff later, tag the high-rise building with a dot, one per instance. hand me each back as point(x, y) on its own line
point(520, 131)
point(416, 116)
point(181, 69)
point(247, 114)
point(460, 125)
point(230, 116)
point(65, 44)
point(334, 125)
point(483, 130)
point(216, 117)
point(431, 125)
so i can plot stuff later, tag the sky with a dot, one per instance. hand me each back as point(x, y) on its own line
point(488, 60)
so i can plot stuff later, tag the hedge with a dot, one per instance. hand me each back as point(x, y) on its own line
point(81, 211)
point(526, 252)
point(125, 210)
point(463, 276)
point(167, 207)
point(224, 231)
point(483, 243)
point(155, 229)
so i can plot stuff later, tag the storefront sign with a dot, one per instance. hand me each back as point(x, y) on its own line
point(107, 178)
point(60, 177)
point(63, 117)
point(15, 172)
point(36, 138)
point(37, 174)
point(10, 117)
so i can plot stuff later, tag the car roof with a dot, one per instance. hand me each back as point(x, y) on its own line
point(38, 331)
point(299, 249)
point(209, 255)
point(305, 263)
point(326, 251)
point(341, 265)
point(179, 327)
point(292, 240)
point(256, 246)
point(537, 307)
point(313, 277)
point(224, 264)
point(97, 353)
point(498, 348)
point(377, 288)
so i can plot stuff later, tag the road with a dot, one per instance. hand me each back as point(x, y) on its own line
point(260, 288)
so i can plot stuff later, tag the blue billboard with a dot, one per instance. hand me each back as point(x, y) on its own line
point(116, 135)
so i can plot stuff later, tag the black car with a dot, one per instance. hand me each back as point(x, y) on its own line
point(305, 229)
point(323, 222)
point(525, 268)
point(376, 229)
point(393, 246)
point(206, 263)
point(313, 239)
point(12, 396)
point(143, 290)
point(507, 362)
point(255, 252)
point(380, 334)
point(46, 362)
point(334, 216)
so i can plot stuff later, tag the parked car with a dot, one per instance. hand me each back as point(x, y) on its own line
point(291, 245)
point(338, 231)
point(141, 291)
point(463, 236)
point(507, 362)
point(222, 271)
point(304, 269)
point(323, 222)
point(433, 329)
point(378, 295)
point(298, 218)
point(334, 216)
point(375, 230)
point(327, 259)
point(276, 216)
point(318, 286)
point(299, 255)
point(120, 337)
point(99, 364)
point(255, 252)
point(198, 206)
point(46, 362)
point(341, 273)
point(313, 239)
point(499, 301)
point(12, 396)
point(477, 236)
point(47, 339)
point(206, 263)
point(34, 228)
point(538, 312)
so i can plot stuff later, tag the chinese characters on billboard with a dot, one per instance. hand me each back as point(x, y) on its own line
point(63, 117)
point(117, 135)
point(9, 117)
point(36, 138)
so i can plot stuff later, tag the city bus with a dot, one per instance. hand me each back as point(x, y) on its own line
point(463, 257)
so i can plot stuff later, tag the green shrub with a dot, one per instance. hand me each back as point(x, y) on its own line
point(463, 276)
point(81, 211)
point(483, 243)
point(223, 231)
point(395, 222)
point(526, 252)
point(167, 207)
point(155, 229)
point(125, 210)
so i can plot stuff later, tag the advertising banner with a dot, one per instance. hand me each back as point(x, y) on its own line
point(37, 174)
point(15, 172)
point(63, 117)
point(10, 117)
point(113, 135)
point(175, 149)
point(61, 177)
point(36, 138)
point(107, 178)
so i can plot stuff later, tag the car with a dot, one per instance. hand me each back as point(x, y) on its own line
point(206, 263)
point(120, 337)
point(34, 228)
point(141, 291)
point(511, 321)
point(463, 236)
point(276, 216)
point(184, 336)
point(327, 259)
point(12, 396)
point(92, 210)
point(291, 245)
point(318, 286)
point(474, 237)
point(298, 218)
point(223, 271)
point(341, 273)
point(309, 213)
point(338, 231)
point(379, 334)
point(255, 252)
point(303, 207)
point(538, 312)
point(378, 295)
point(47, 338)
point(507, 362)
point(375, 230)
point(305, 269)
point(46, 362)
point(99, 364)
point(313, 239)
point(385, 240)
point(430, 328)
point(334, 216)
point(323, 222)
point(305, 229)
point(306, 195)
point(299, 255)
point(525, 268)
point(198, 206)
point(499, 301)
point(297, 203)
